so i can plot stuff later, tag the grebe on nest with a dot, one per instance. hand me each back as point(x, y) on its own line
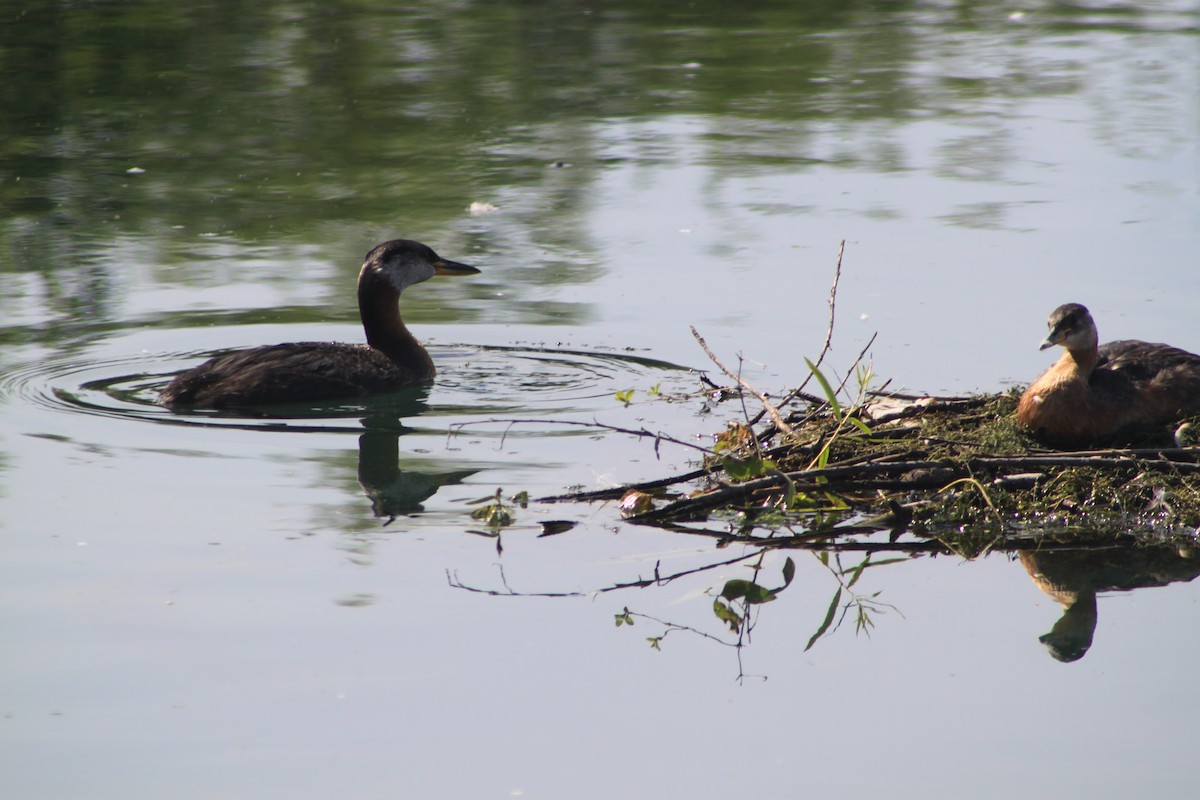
point(303, 371)
point(1093, 393)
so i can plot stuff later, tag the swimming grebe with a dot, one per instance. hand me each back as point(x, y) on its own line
point(302, 371)
point(1093, 393)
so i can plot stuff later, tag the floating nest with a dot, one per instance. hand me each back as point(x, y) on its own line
point(922, 473)
point(928, 473)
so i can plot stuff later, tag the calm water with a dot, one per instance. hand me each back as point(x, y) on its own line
point(301, 604)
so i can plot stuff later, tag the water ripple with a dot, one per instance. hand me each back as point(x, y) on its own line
point(474, 382)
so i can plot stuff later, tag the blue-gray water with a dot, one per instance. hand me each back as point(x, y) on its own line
point(199, 606)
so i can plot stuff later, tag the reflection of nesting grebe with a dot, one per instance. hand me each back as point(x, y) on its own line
point(1093, 392)
point(391, 359)
point(1072, 578)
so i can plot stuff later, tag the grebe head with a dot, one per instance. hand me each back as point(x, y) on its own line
point(1072, 326)
point(403, 262)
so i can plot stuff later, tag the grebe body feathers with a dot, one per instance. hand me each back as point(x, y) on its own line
point(1094, 392)
point(391, 359)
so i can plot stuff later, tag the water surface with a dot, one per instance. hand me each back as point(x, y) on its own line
point(301, 604)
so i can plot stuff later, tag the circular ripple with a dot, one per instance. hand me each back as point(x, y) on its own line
point(523, 377)
point(473, 381)
point(94, 387)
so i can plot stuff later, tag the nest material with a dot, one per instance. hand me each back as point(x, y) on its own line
point(933, 467)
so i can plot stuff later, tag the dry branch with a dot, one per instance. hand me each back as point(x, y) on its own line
point(925, 475)
point(766, 404)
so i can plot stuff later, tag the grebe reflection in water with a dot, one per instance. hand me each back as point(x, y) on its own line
point(1095, 392)
point(391, 359)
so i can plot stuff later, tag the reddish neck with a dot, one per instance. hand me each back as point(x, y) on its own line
point(1081, 361)
point(379, 305)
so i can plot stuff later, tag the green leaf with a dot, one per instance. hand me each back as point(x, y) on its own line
point(789, 488)
point(856, 573)
point(727, 615)
point(789, 571)
point(858, 423)
point(830, 394)
point(803, 501)
point(746, 590)
point(823, 457)
point(735, 589)
point(742, 469)
point(759, 594)
point(834, 503)
point(904, 560)
point(494, 516)
point(829, 615)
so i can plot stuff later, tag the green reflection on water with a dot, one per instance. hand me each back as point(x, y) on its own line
point(212, 134)
point(267, 119)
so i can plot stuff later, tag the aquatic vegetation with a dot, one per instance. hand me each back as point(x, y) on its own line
point(931, 467)
point(824, 470)
point(862, 477)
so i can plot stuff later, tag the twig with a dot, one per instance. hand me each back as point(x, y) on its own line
point(768, 432)
point(825, 348)
point(837, 277)
point(766, 404)
point(614, 492)
point(657, 580)
point(920, 475)
point(639, 433)
point(858, 360)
